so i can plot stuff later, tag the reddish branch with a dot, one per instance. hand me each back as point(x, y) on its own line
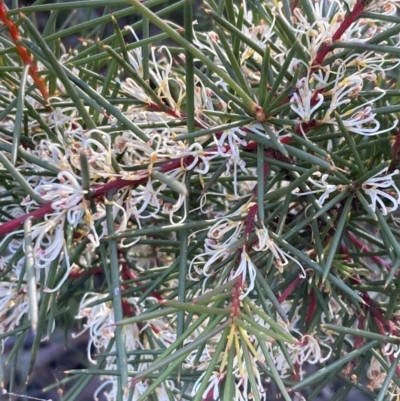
point(290, 288)
point(311, 307)
point(235, 304)
point(364, 248)
point(348, 20)
point(361, 326)
point(14, 224)
point(128, 274)
point(90, 272)
point(22, 52)
point(97, 191)
point(250, 220)
point(396, 146)
point(384, 325)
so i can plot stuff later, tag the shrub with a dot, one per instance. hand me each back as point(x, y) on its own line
point(216, 211)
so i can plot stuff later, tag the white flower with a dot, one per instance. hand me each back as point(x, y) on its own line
point(214, 249)
point(130, 87)
point(342, 91)
point(140, 199)
point(196, 151)
point(245, 270)
point(213, 385)
point(162, 78)
point(307, 350)
point(356, 123)
point(373, 188)
point(318, 33)
point(99, 155)
point(259, 35)
point(234, 137)
point(135, 55)
point(206, 100)
point(14, 304)
point(265, 243)
point(64, 195)
point(322, 186)
point(301, 100)
point(99, 321)
point(375, 374)
point(391, 349)
point(48, 239)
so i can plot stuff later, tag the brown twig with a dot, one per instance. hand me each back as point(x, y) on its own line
point(22, 52)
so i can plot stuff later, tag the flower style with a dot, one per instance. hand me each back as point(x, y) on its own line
point(308, 350)
point(215, 250)
point(98, 154)
point(372, 63)
point(170, 209)
point(342, 91)
point(373, 188)
point(63, 196)
point(67, 202)
point(131, 149)
point(48, 240)
point(60, 117)
point(100, 322)
point(206, 100)
point(389, 7)
point(391, 349)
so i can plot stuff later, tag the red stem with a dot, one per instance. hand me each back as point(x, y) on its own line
point(79, 273)
point(312, 307)
point(289, 289)
point(22, 52)
point(98, 190)
point(235, 303)
point(351, 18)
point(362, 247)
point(102, 189)
point(361, 325)
point(14, 224)
point(250, 220)
point(396, 146)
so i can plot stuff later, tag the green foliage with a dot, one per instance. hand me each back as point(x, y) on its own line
point(217, 209)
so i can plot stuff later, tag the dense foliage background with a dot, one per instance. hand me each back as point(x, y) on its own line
point(202, 199)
